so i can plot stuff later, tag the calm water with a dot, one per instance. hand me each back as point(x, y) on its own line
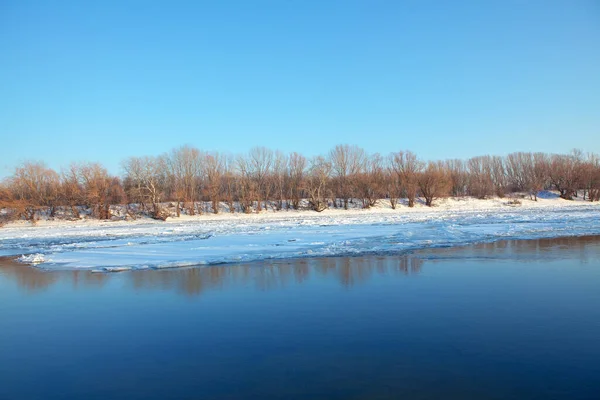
point(514, 319)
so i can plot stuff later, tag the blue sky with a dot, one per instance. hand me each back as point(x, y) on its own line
point(100, 81)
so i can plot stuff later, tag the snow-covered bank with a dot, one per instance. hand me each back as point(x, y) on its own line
point(211, 239)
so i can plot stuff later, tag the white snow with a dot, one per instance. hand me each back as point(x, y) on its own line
point(32, 259)
point(227, 238)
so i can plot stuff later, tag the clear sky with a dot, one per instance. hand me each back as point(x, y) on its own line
point(103, 80)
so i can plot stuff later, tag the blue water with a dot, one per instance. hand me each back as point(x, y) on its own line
point(512, 319)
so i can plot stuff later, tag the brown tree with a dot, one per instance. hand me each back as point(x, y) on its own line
point(184, 169)
point(35, 186)
point(591, 177)
point(346, 162)
point(230, 183)
point(145, 179)
point(214, 169)
point(391, 182)
point(565, 174)
point(371, 182)
point(481, 184)
point(72, 191)
point(316, 183)
point(408, 167)
point(246, 187)
point(279, 179)
point(459, 177)
point(296, 166)
point(434, 182)
point(98, 189)
point(260, 163)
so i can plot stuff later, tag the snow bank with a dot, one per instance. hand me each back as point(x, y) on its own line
point(206, 240)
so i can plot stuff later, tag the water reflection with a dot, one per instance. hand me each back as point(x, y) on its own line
point(269, 275)
point(585, 247)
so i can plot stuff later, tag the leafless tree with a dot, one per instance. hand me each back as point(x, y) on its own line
point(481, 184)
point(527, 172)
point(10, 207)
point(246, 184)
point(371, 182)
point(459, 177)
point(145, 179)
point(391, 181)
point(434, 182)
point(214, 169)
point(260, 163)
point(279, 179)
point(297, 167)
point(316, 183)
point(591, 177)
point(498, 175)
point(408, 167)
point(518, 166)
point(539, 175)
point(565, 174)
point(72, 191)
point(347, 162)
point(98, 187)
point(184, 168)
point(229, 182)
point(36, 186)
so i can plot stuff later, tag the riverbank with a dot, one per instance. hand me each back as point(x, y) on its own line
point(195, 242)
point(546, 200)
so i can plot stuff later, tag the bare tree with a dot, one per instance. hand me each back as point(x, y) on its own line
point(247, 185)
point(527, 172)
point(407, 167)
point(539, 175)
point(481, 184)
point(518, 166)
point(36, 186)
point(434, 182)
point(347, 162)
point(184, 174)
point(214, 169)
point(72, 190)
point(145, 180)
point(279, 179)
point(565, 174)
point(230, 183)
point(260, 162)
point(97, 185)
point(371, 182)
point(459, 177)
point(11, 207)
point(591, 177)
point(297, 166)
point(316, 183)
point(391, 181)
point(498, 175)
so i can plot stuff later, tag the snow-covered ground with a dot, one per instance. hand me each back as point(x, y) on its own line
point(226, 238)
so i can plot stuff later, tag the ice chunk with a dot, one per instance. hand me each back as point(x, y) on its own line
point(32, 259)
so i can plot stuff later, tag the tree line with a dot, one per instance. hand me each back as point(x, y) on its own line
point(195, 182)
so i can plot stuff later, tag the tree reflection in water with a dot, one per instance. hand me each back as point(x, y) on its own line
point(269, 275)
point(525, 250)
point(266, 275)
point(273, 274)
